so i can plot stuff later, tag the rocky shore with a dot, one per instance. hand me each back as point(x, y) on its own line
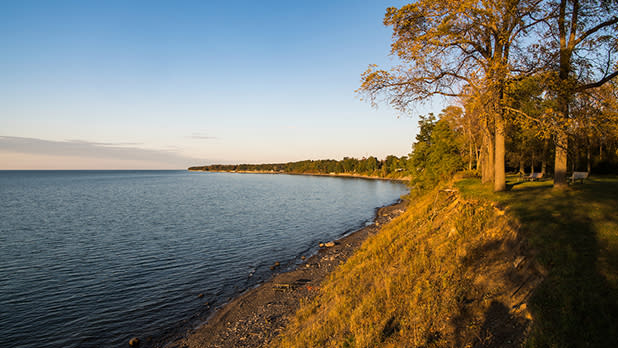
point(254, 318)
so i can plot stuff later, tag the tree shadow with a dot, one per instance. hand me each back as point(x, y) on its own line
point(576, 305)
point(500, 328)
point(491, 312)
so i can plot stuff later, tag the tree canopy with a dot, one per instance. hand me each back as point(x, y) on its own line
point(517, 66)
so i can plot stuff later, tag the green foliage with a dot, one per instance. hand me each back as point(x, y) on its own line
point(436, 155)
point(391, 167)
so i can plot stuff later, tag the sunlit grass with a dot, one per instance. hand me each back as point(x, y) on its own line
point(405, 286)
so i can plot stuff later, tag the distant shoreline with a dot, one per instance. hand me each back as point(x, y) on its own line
point(339, 175)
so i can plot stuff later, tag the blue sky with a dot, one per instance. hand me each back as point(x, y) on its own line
point(169, 84)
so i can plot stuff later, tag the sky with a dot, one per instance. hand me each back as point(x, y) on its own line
point(171, 84)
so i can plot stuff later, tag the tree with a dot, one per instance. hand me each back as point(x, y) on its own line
point(585, 41)
point(436, 155)
point(448, 45)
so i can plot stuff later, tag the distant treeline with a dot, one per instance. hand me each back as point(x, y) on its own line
point(391, 166)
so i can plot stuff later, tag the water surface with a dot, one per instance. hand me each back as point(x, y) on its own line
point(92, 258)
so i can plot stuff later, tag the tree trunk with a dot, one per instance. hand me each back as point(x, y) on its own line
point(544, 157)
point(481, 165)
point(560, 166)
point(487, 155)
point(470, 157)
point(522, 170)
point(588, 157)
point(576, 155)
point(499, 172)
point(532, 165)
point(565, 90)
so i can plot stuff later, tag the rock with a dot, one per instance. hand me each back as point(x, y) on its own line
point(321, 245)
point(200, 295)
point(518, 261)
point(277, 264)
point(302, 257)
point(134, 342)
point(329, 244)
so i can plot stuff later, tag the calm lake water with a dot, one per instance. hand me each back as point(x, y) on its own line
point(92, 258)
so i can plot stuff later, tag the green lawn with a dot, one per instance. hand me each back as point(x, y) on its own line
point(574, 234)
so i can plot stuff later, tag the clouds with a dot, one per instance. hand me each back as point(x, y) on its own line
point(201, 136)
point(74, 152)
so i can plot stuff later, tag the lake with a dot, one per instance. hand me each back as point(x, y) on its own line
point(93, 258)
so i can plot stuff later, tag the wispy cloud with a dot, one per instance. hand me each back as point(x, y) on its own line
point(201, 136)
point(77, 141)
point(86, 149)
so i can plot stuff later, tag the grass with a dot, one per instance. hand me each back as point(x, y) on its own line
point(574, 234)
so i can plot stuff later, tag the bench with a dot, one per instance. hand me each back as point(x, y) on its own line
point(534, 176)
point(579, 176)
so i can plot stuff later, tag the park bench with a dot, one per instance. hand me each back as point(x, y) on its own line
point(534, 176)
point(579, 176)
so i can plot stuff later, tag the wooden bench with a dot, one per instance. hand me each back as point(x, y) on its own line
point(534, 176)
point(579, 176)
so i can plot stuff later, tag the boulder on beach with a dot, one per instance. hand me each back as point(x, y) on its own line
point(134, 342)
point(329, 244)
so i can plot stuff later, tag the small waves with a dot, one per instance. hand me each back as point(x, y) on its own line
point(89, 259)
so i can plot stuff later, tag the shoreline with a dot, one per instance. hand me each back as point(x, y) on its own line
point(257, 315)
point(334, 175)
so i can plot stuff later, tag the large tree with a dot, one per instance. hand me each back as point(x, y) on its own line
point(585, 41)
point(447, 47)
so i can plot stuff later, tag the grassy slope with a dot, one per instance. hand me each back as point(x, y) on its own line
point(441, 274)
point(575, 237)
point(456, 270)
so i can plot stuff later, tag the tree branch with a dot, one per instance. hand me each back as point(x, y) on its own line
point(595, 29)
point(599, 83)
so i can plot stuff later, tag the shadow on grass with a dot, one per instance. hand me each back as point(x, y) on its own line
point(574, 234)
point(500, 328)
